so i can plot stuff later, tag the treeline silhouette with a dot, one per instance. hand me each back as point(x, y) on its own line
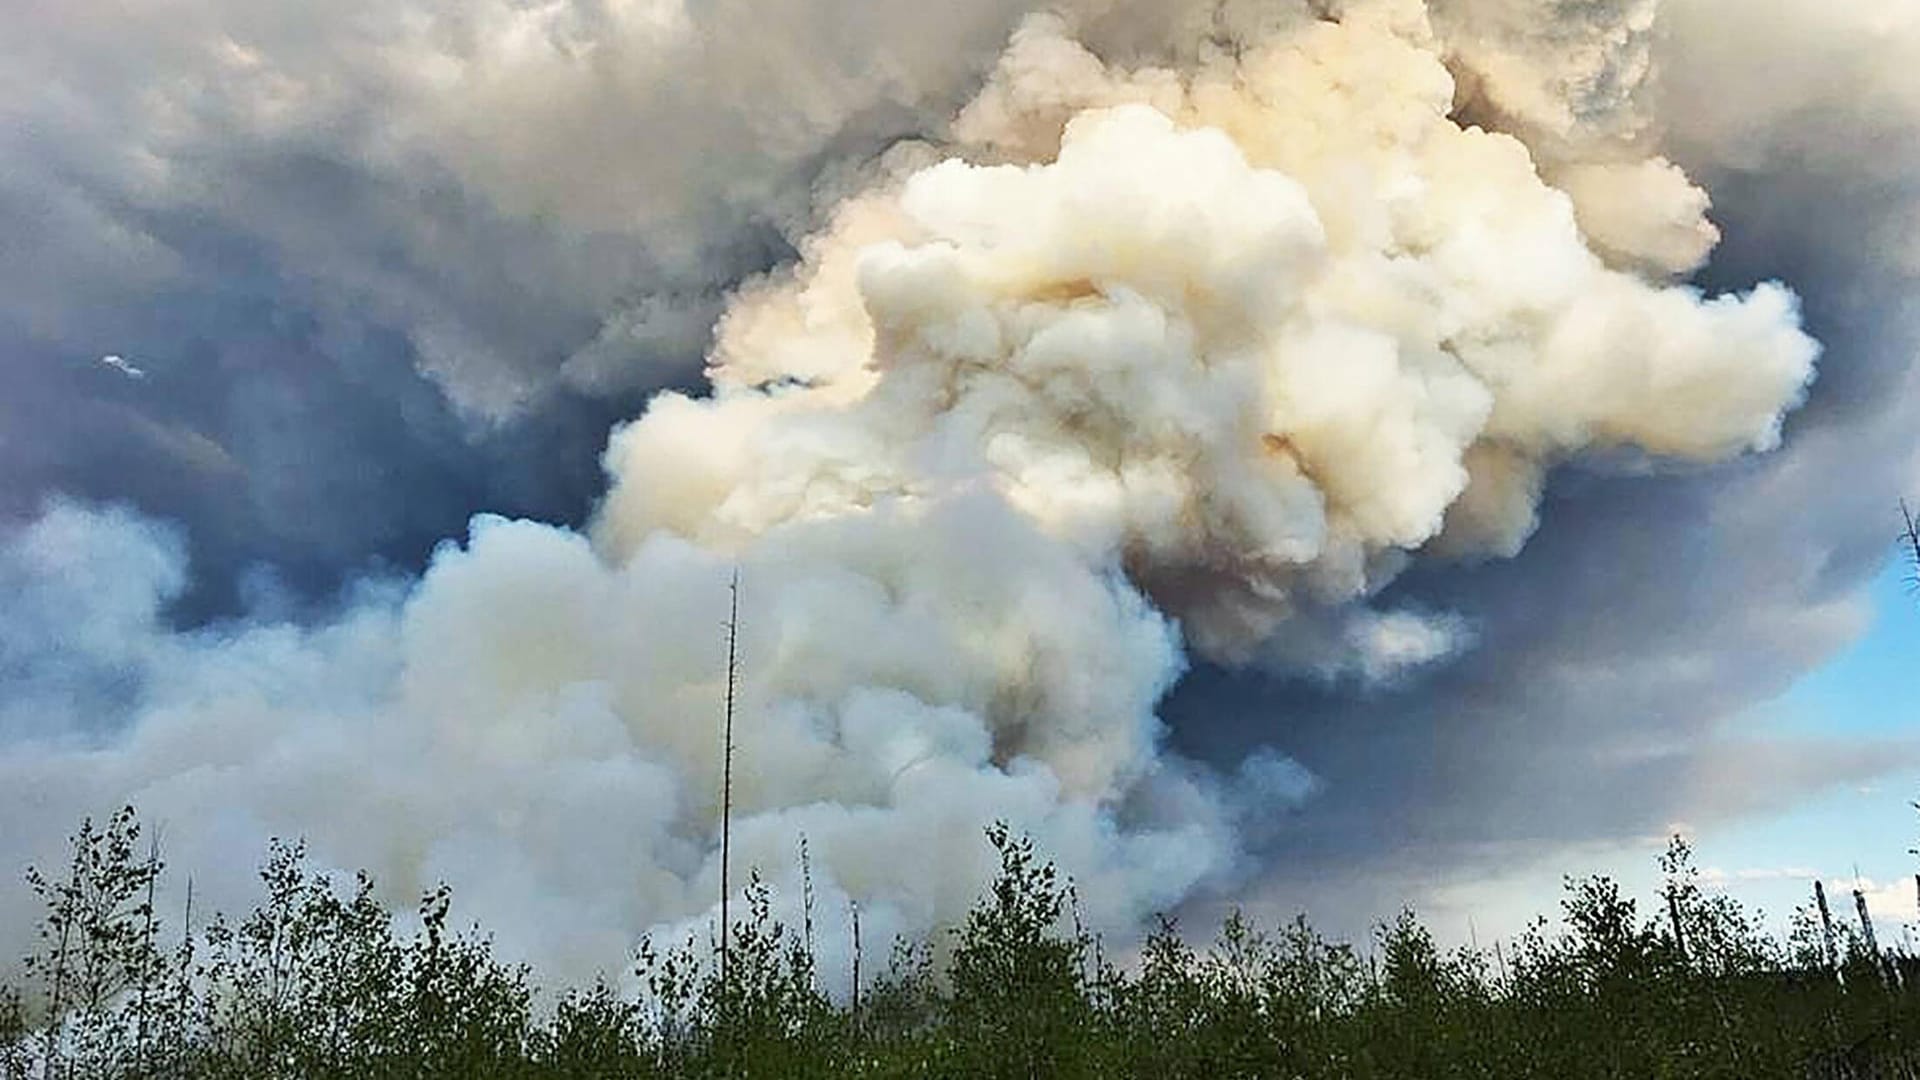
point(319, 981)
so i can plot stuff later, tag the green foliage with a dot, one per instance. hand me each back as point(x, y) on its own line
point(97, 947)
point(318, 981)
point(1018, 1005)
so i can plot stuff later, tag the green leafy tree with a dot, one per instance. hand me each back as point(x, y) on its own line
point(1018, 1006)
point(317, 981)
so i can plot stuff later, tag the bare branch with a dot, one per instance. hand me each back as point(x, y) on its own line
point(1910, 541)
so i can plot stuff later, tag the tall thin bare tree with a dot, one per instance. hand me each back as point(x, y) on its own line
point(726, 765)
point(1826, 925)
point(853, 907)
point(1866, 928)
point(806, 909)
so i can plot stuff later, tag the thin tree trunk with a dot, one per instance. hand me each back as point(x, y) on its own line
point(726, 771)
point(1826, 926)
point(146, 961)
point(854, 906)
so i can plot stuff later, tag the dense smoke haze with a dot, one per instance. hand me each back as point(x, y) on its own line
point(1266, 450)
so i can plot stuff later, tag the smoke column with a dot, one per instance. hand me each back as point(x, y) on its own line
point(1189, 334)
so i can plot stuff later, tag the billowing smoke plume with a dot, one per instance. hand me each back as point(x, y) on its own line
point(1191, 334)
point(1254, 332)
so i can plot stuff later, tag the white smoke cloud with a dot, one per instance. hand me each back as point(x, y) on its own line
point(1250, 340)
point(1138, 355)
point(540, 727)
